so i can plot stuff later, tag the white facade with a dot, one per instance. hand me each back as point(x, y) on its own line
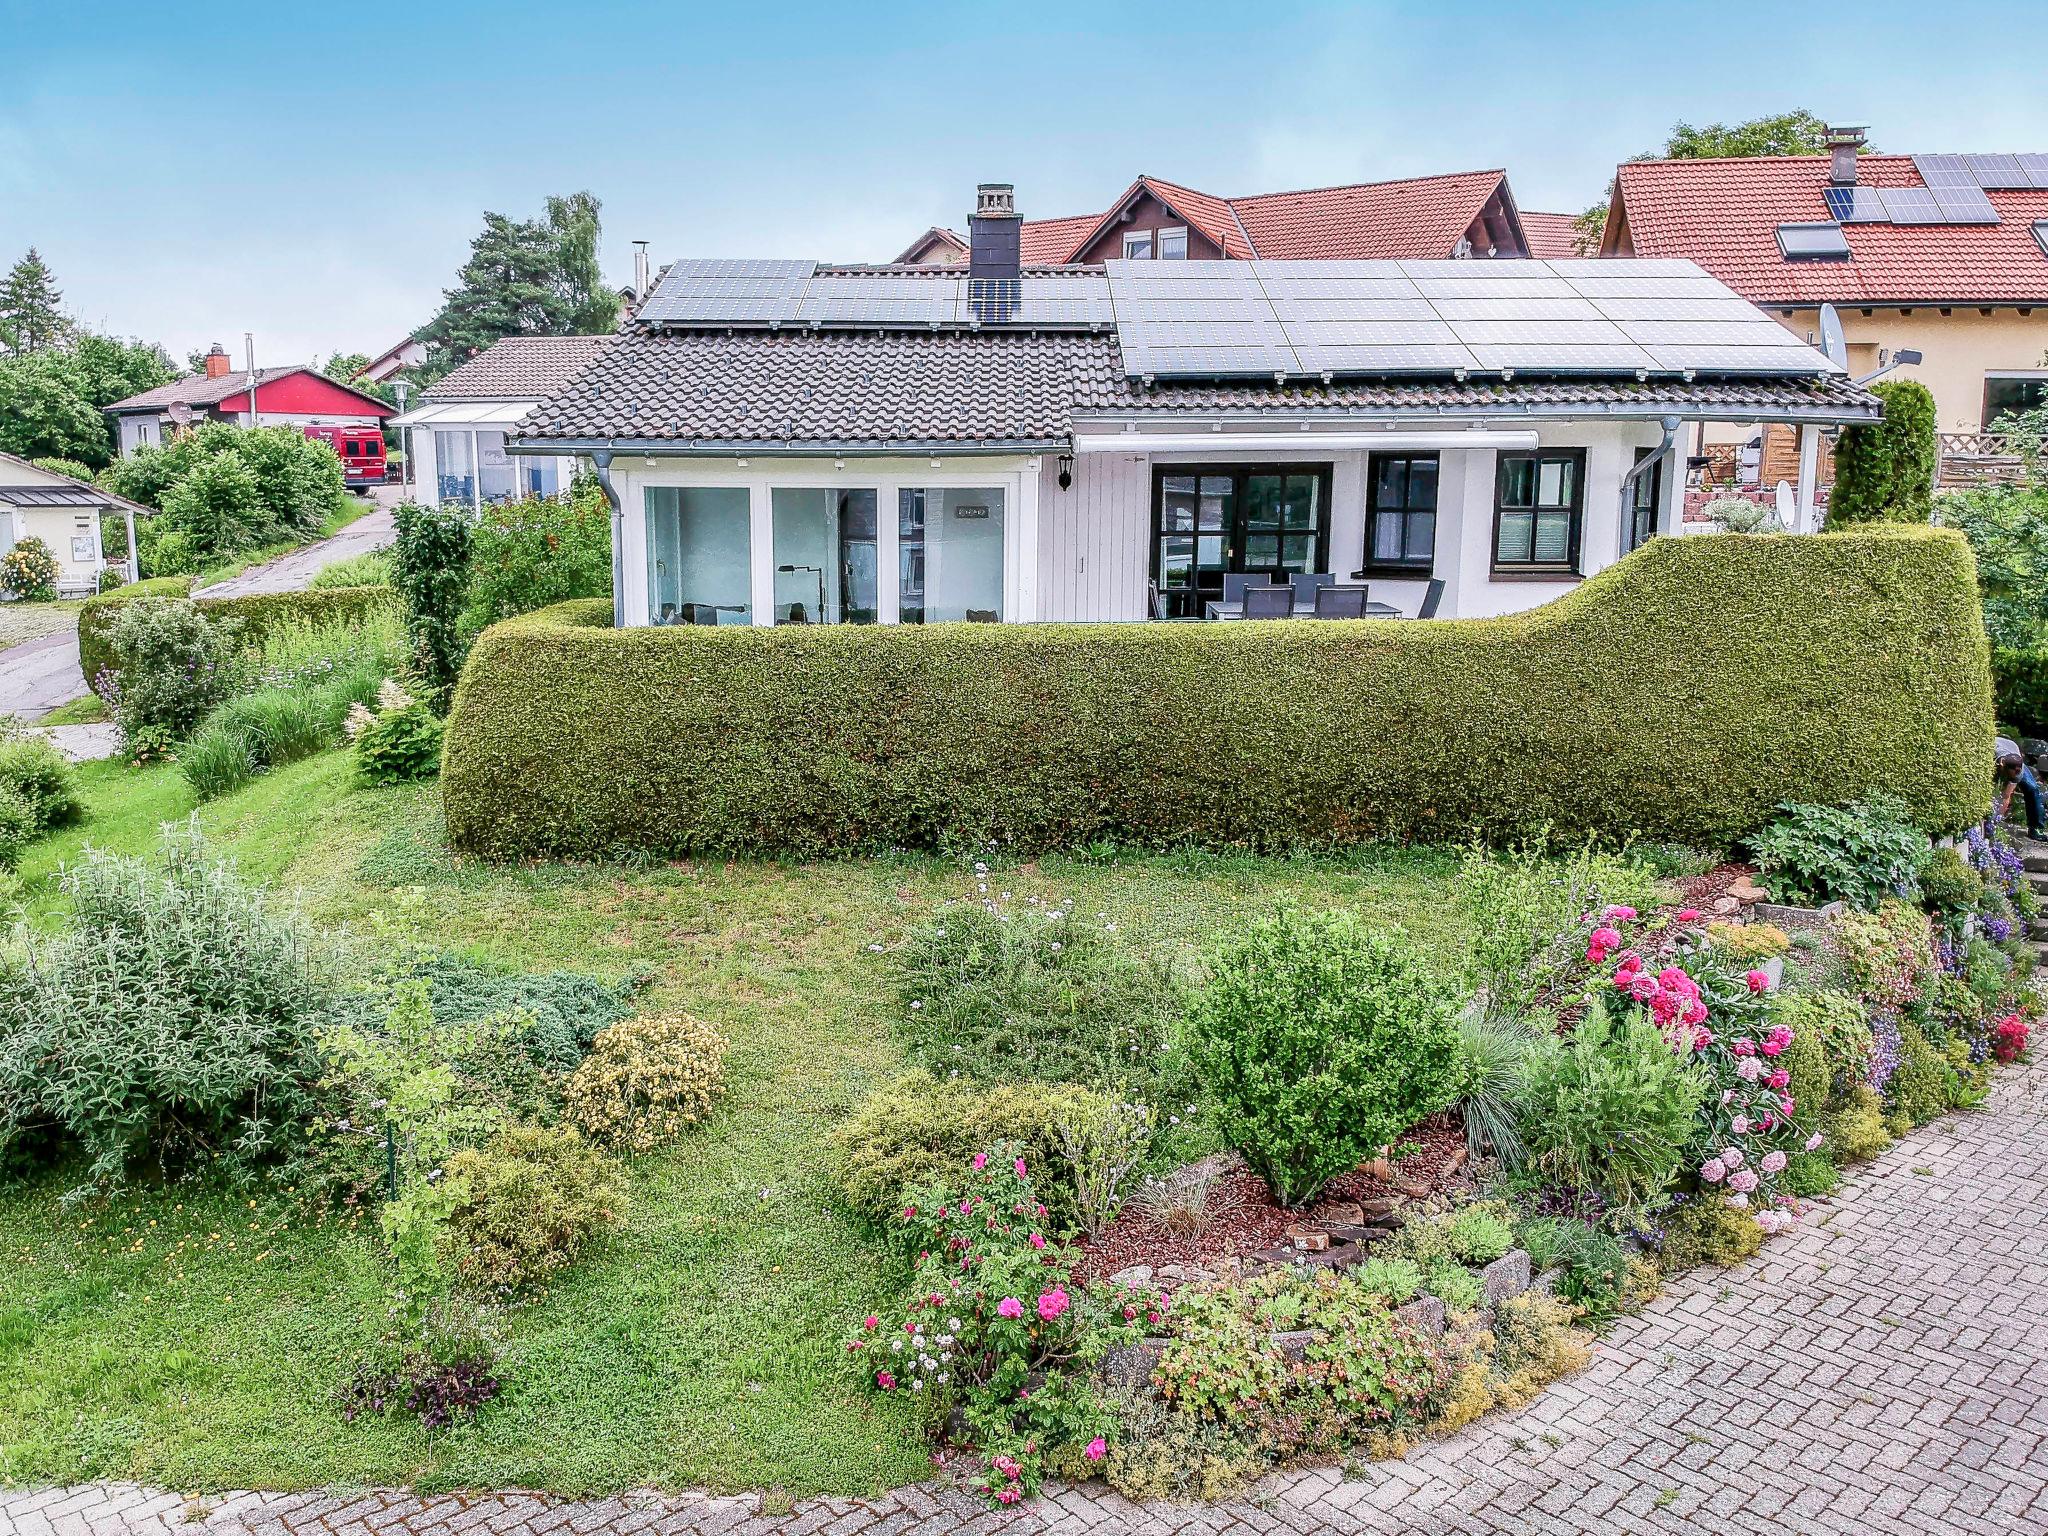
point(1091, 552)
point(455, 453)
point(71, 532)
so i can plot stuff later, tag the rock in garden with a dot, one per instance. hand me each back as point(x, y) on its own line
point(1132, 1365)
point(1336, 1256)
point(1424, 1313)
point(1506, 1276)
point(1136, 1275)
point(1723, 905)
point(1384, 1211)
point(1308, 1239)
point(1745, 889)
point(1345, 1213)
point(1545, 1284)
point(1344, 1232)
point(1293, 1345)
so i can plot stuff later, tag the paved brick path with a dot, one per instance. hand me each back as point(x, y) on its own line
point(1882, 1369)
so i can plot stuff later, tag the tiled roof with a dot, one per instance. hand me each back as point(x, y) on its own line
point(518, 368)
point(1018, 388)
point(1724, 214)
point(1422, 218)
point(1551, 236)
point(200, 390)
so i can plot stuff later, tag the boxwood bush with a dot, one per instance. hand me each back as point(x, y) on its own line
point(258, 611)
point(1677, 696)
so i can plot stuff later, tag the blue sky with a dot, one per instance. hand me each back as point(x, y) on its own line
point(285, 169)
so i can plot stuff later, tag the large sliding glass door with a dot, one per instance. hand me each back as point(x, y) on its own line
point(699, 555)
point(1213, 520)
point(825, 569)
point(949, 554)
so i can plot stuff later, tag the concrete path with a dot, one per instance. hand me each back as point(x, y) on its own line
point(85, 743)
point(290, 573)
point(1882, 1370)
point(38, 675)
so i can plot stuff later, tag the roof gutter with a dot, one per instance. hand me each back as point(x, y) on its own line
point(705, 448)
point(1409, 415)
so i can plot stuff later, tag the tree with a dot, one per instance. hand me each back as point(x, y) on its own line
point(42, 414)
point(430, 569)
point(524, 277)
point(1885, 472)
point(32, 315)
point(104, 369)
point(1781, 133)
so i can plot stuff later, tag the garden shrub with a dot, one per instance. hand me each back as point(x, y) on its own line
point(648, 1081)
point(838, 738)
point(538, 551)
point(1161, 1453)
point(1493, 1047)
point(1862, 854)
point(367, 570)
point(1397, 1279)
point(1949, 887)
point(1830, 1047)
point(1481, 1232)
point(29, 571)
point(528, 1202)
point(69, 468)
point(399, 743)
point(34, 770)
point(171, 1021)
point(17, 827)
point(1884, 471)
point(2019, 678)
point(1593, 1265)
point(1039, 991)
point(170, 667)
point(1609, 1109)
point(920, 1128)
point(1857, 1130)
point(1924, 1087)
point(1887, 955)
point(220, 489)
point(1452, 1284)
point(1320, 1041)
point(1747, 944)
point(1523, 906)
point(1811, 1174)
point(1705, 1229)
point(430, 572)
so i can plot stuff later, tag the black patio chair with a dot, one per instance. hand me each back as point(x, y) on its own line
point(1340, 602)
point(1269, 602)
point(1430, 599)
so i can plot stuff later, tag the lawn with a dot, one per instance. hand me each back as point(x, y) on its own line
point(22, 622)
point(191, 1337)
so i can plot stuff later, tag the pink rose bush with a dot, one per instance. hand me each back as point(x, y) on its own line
point(1718, 1019)
point(995, 1328)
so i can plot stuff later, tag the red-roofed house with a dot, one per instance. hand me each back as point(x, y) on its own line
point(1428, 218)
point(1553, 236)
point(348, 419)
point(1955, 267)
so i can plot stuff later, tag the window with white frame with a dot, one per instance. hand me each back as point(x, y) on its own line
point(699, 555)
point(1173, 245)
point(1138, 245)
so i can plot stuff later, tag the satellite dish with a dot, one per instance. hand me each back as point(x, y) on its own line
point(180, 413)
point(1832, 342)
point(1788, 507)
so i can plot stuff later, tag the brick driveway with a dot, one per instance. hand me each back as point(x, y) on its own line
point(1884, 1368)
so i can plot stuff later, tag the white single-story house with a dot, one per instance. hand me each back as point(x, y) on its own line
point(790, 442)
point(457, 432)
point(65, 514)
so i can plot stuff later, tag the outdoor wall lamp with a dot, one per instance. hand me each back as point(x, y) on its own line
point(1066, 471)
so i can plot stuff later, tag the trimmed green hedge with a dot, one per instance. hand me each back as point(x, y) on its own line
point(257, 611)
point(1678, 695)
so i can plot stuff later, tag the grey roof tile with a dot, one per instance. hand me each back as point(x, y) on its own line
point(519, 368)
point(750, 387)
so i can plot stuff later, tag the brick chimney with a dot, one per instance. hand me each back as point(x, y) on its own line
point(217, 365)
point(994, 235)
point(1844, 145)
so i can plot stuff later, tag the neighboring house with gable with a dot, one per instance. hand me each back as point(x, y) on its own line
point(458, 430)
point(65, 514)
point(792, 442)
point(1469, 213)
point(297, 396)
point(1946, 255)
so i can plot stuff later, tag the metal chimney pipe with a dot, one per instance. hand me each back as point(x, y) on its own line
point(639, 270)
point(249, 344)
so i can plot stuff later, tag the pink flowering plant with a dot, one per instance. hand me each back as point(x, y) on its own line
point(1717, 1018)
point(996, 1331)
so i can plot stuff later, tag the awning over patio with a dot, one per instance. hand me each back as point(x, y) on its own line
point(467, 413)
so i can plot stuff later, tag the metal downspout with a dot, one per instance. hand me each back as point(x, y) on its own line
point(1648, 466)
point(601, 460)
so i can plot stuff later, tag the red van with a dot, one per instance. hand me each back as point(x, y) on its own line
point(360, 449)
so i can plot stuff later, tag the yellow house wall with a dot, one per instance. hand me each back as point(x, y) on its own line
point(1960, 347)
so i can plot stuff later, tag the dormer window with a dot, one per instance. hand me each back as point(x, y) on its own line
point(1138, 245)
point(1173, 245)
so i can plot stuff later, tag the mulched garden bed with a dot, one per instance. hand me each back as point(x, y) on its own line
point(1707, 892)
point(1244, 1222)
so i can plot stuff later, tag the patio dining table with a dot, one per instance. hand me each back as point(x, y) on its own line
point(1304, 608)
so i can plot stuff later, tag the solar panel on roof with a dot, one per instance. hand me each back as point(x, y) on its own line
point(1854, 205)
point(1912, 205)
point(2036, 168)
point(1378, 358)
point(1513, 307)
point(1623, 360)
point(1998, 172)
